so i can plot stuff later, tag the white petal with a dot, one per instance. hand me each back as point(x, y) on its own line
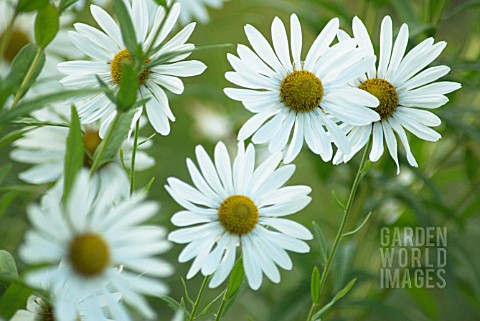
point(377, 146)
point(296, 40)
point(385, 46)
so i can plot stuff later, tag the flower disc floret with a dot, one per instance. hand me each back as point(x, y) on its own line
point(91, 140)
point(89, 254)
point(301, 91)
point(18, 39)
point(47, 313)
point(238, 214)
point(385, 93)
point(117, 63)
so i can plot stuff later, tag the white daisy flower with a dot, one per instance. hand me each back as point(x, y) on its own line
point(109, 53)
point(297, 94)
point(404, 90)
point(196, 10)
point(238, 205)
point(82, 244)
point(45, 148)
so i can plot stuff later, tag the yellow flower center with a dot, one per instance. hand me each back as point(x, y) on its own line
point(301, 91)
point(16, 42)
point(238, 214)
point(89, 254)
point(117, 63)
point(385, 93)
point(91, 140)
point(47, 313)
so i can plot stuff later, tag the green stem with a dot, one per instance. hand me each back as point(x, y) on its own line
point(28, 77)
point(218, 317)
point(199, 297)
point(7, 35)
point(346, 212)
point(104, 144)
point(134, 155)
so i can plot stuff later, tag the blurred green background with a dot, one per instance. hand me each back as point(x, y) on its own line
point(443, 191)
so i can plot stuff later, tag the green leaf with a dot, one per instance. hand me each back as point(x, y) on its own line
point(116, 135)
point(7, 264)
point(106, 89)
point(149, 184)
point(236, 278)
point(315, 285)
point(335, 299)
point(171, 302)
point(322, 244)
point(31, 5)
point(359, 227)
point(14, 298)
point(26, 107)
point(5, 201)
point(21, 66)
point(161, 2)
point(126, 26)
point(127, 95)
point(339, 202)
point(74, 155)
point(46, 25)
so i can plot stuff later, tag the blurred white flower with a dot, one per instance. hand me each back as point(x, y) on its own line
point(196, 10)
point(109, 53)
point(403, 89)
point(238, 205)
point(300, 95)
point(81, 245)
point(45, 148)
point(210, 122)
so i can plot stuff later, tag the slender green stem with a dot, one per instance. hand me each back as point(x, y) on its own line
point(134, 155)
point(346, 213)
point(103, 146)
point(7, 35)
point(199, 297)
point(218, 317)
point(28, 77)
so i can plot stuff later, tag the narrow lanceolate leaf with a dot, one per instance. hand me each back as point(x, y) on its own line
point(74, 155)
point(5, 200)
point(315, 285)
point(31, 5)
point(335, 299)
point(110, 146)
point(126, 26)
point(147, 187)
point(26, 107)
point(21, 66)
point(322, 244)
point(127, 95)
point(359, 227)
point(7, 264)
point(46, 25)
point(236, 278)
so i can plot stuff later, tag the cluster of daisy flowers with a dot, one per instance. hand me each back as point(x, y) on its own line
point(97, 253)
